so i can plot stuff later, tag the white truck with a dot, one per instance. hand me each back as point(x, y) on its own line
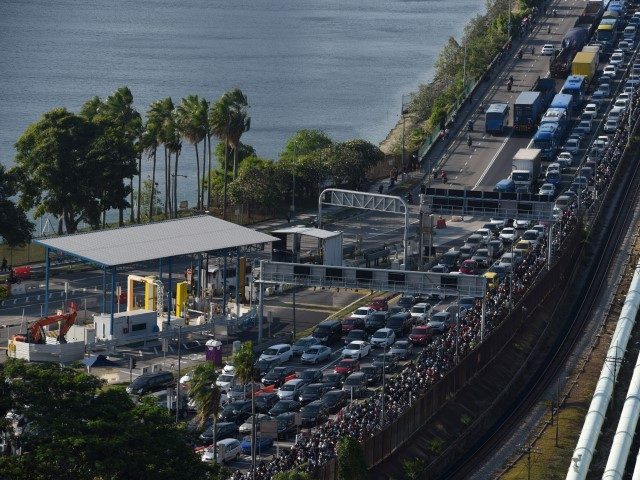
point(525, 168)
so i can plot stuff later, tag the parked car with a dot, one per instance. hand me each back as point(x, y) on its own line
point(265, 366)
point(313, 414)
point(315, 354)
point(284, 406)
point(312, 392)
point(247, 426)
point(262, 444)
point(357, 349)
point(289, 390)
point(328, 331)
point(352, 323)
point(278, 376)
point(303, 344)
point(223, 430)
point(226, 450)
point(355, 384)
point(334, 400)
point(242, 392)
point(286, 425)
point(373, 373)
point(310, 375)
point(420, 312)
point(281, 351)
point(265, 401)
point(420, 335)
point(333, 380)
point(383, 337)
point(347, 366)
point(354, 335)
point(149, 382)
point(402, 349)
point(237, 411)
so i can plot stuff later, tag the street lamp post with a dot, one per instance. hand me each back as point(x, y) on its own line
point(175, 192)
point(384, 364)
point(457, 358)
point(293, 190)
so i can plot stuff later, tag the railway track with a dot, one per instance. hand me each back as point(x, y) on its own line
point(532, 392)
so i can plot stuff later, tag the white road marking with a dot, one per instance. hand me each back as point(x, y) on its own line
point(486, 170)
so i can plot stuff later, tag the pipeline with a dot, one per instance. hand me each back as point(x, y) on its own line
point(583, 453)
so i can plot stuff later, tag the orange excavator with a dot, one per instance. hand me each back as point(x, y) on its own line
point(35, 331)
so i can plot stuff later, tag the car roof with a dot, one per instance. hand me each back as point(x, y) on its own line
point(386, 330)
point(279, 345)
point(294, 381)
point(421, 304)
point(226, 441)
point(359, 342)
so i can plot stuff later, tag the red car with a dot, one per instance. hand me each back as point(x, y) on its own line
point(347, 366)
point(379, 304)
point(420, 335)
point(469, 267)
point(352, 323)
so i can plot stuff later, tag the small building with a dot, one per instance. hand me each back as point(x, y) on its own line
point(132, 325)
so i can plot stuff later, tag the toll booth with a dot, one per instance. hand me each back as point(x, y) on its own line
point(291, 247)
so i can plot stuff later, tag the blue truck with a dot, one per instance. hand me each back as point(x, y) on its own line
point(547, 88)
point(564, 101)
point(496, 118)
point(557, 116)
point(527, 111)
point(548, 140)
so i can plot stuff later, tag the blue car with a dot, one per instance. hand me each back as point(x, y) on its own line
point(264, 443)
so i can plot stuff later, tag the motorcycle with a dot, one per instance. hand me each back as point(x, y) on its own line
point(469, 141)
point(470, 126)
point(509, 85)
point(520, 54)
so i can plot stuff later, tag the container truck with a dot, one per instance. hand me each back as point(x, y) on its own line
point(527, 110)
point(547, 139)
point(564, 101)
point(593, 48)
point(496, 118)
point(585, 63)
point(556, 116)
point(525, 168)
point(547, 88)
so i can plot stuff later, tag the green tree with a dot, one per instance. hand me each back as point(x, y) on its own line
point(304, 142)
point(148, 189)
point(15, 228)
point(161, 117)
point(244, 363)
point(292, 475)
point(193, 124)
point(55, 174)
point(348, 162)
point(259, 183)
point(79, 432)
point(150, 141)
point(351, 462)
point(206, 395)
point(414, 469)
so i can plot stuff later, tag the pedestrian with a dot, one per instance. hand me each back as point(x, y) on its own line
point(380, 188)
point(4, 265)
point(288, 217)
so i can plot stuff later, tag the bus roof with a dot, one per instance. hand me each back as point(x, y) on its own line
point(562, 100)
point(498, 108)
point(605, 27)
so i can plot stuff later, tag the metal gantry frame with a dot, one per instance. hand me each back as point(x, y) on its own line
point(367, 201)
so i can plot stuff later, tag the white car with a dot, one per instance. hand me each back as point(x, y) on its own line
point(362, 312)
point(281, 351)
point(541, 229)
point(615, 114)
point(226, 381)
point(625, 45)
point(508, 235)
point(357, 349)
point(315, 354)
point(610, 71)
point(621, 103)
point(565, 159)
point(520, 224)
point(486, 235)
point(383, 337)
point(547, 189)
point(227, 449)
point(290, 389)
point(604, 139)
point(247, 426)
point(186, 378)
point(591, 108)
point(572, 145)
point(547, 49)
point(611, 125)
point(532, 236)
point(506, 261)
point(420, 312)
point(554, 167)
point(617, 59)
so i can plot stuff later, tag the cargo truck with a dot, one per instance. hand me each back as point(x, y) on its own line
point(496, 118)
point(547, 88)
point(564, 101)
point(556, 116)
point(585, 63)
point(593, 48)
point(525, 168)
point(527, 110)
point(547, 139)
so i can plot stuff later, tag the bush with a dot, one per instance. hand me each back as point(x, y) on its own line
point(351, 462)
point(4, 292)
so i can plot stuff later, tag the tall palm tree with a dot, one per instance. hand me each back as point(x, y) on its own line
point(206, 395)
point(191, 117)
point(244, 363)
point(119, 108)
point(161, 113)
point(228, 119)
point(150, 144)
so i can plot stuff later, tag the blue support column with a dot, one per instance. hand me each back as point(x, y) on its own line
point(200, 288)
point(170, 290)
point(47, 265)
point(104, 290)
point(224, 284)
point(113, 292)
point(238, 282)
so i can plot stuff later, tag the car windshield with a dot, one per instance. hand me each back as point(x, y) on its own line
point(235, 406)
point(305, 342)
point(308, 374)
point(418, 331)
point(380, 335)
point(270, 351)
point(313, 351)
point(313, 389)
point(401, 345)
point(361, 311)
point(288, 387)
point(353, 381)
point(225, 378)
point(353, 346)
point(345, 363)
point(331, 377)
point(420, 309)
point(311, 409)
point(508, 231)
point(369, 369)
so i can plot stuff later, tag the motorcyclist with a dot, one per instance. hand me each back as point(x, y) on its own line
point(469, 140)
point(470, 126)
point(481, 108)
point(555, 12)
point(520, 53)
point(548, 28)
point(533, 51)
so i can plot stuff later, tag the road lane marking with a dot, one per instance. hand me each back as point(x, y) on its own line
point(486, 170)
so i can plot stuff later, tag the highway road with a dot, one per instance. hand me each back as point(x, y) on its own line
point(489, 159)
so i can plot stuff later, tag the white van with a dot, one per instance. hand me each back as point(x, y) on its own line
point(227, 449)
point(629, 33)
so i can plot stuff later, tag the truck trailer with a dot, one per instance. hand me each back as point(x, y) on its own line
point(496, 118)
point(585, 63)
point(527, 110)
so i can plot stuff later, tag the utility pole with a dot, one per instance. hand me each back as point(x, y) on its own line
point(179, 374)
point(528, 450)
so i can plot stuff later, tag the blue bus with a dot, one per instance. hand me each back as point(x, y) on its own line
point(575, 86)
point(547, 139)
point(496, 118)
point(563, 100)
point(557, 116)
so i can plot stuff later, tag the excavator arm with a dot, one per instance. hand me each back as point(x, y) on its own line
point(35, 329)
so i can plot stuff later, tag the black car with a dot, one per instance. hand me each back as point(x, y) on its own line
point(388, 361)
point(376, 321)
point(310, 375)
point(284, 406)
point(332, 380)
point(355, 335)
point(223, 430)
point(400, 324)
point(286, 425)
point(277, 376)
point(236, 412)
point(396, 310)
point(334, 400)
point(313, 414)
point(312, 392)
point(266, 401)
point(406, 301)
point(265, 366)
point(373, 374)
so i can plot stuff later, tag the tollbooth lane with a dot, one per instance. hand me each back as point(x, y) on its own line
point(489, 158)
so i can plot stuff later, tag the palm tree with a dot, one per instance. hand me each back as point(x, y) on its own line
point(119, 108)
point(191, 117)
point(244, 363)
point(228, 120)
point(161, 114)
point(206, 395)
point(150, 144)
